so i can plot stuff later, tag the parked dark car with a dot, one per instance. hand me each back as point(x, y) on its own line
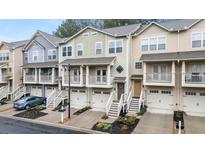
point(28, 102)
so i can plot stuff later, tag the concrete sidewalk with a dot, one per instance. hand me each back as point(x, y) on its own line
point(194, 125)
point(155, 124)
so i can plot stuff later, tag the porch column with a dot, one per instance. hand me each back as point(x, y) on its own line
point(36, 75)
point(39, 75)
point(144, 72)
point(24, 75)
point(81, 75)
point(53, 75)
point(173, 73)
point(108, 75)
point(1, 77)
point(87, 75)
point(63, 75)
point(183, 73)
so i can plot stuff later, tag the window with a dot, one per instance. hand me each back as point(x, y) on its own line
point(190, 93)
point(166, 92)
point(101, 75)
point(138, 65)
point(26, 56)
point(153, 43)
point(80, 49)
point(161, 43)
point(67, 51)
point(160, 72)
point(98, 48)
point(36, 56)
point(196, 40)
point(115, 46)
point(202, 94)
point(154, 91)
point(119, 46)
point(145, 43)
point(112, 47)
point(52, 54)
point(4, 56)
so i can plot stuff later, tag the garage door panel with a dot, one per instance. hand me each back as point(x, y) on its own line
point(36, 91)
point(161, 99)
point(99, 99)
point(78, 98)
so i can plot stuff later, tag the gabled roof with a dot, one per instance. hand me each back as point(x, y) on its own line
point(172, 25)
point(174, 56)
point(115, 31)
point(14, 45)
point(50, 38)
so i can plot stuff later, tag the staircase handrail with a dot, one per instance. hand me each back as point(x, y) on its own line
point(129, 99)
point(17, 90)
point(120, 104)
point(4, 92)
point(109, 102)
point(141, 99)
point(51, 97)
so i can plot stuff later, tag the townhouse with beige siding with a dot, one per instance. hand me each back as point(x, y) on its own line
point(40, 65)
point(10, 68)
point(100, 68)
point(169, 66)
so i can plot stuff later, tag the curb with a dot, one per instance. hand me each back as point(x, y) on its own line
point(53, 124)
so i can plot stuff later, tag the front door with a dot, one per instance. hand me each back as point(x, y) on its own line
point(137, 88)
point(120, 89)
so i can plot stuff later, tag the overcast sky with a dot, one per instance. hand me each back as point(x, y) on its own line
point(15, 30)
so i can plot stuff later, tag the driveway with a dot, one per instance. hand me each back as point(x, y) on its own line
point(86, 119)
point(151, 123)
point(194, 125)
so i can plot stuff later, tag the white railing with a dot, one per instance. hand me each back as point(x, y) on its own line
point(141, 99)
point(195, 78)
point(4, 92)
point(99, 80)
point(46, 78)
point(18, 92)
point(120, 104)
point(51, 97)
point(74, 79)
point(129, 99)
point(159, 77)
point(59, 98)
point(30, 78)
point(109, 102)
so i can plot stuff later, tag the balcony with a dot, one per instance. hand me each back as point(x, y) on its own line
point(3, 79)
point(30, 78)
point(193, 80)
point(75, 80)
point(100, 81)
point(164, 74)
point(46, 78)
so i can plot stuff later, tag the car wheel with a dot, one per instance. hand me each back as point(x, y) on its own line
point(27, 107)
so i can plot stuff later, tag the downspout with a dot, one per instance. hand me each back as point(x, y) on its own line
point(179, 74)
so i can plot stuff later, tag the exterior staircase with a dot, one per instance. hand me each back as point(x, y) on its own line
point(56, 97)
point(113, 112)
point(18, 93)
point(134, 105)
point(4, 91)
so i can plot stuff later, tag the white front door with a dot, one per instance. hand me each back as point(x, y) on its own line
point(194, 102)
point(160, 100)
point(78, 98)
point(99, 99)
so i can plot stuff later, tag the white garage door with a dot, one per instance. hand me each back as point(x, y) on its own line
point(78, 98)
point(194, 102)
point(99, 100)
point(48, 91)
point(160, 100)
point(36, 91)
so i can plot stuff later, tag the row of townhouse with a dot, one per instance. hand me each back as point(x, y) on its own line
point(161, 65)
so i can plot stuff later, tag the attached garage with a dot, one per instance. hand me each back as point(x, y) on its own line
point(160, 101)
point(36, 91)
point(194, 103)
point(78, 98)
point(99, 99)
point(49, 90)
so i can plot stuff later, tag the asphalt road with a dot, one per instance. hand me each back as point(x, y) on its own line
point(12, 126)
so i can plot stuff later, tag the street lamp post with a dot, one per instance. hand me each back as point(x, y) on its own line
point(69, 90)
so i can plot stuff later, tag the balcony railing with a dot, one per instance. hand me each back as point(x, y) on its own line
point(46, 78)
point(3, 78)
point(195, 78)
point(30, 78)
point(74, 79)
point(159, 77)
point(98, 80)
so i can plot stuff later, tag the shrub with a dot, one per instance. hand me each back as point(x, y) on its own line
point(39, 107)
point(142, 111)
point(104, 126)
point(127, 120)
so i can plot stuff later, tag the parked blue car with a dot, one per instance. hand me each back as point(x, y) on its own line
point(28, 102)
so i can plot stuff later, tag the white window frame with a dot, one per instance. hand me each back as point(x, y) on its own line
point(67, 51)
point(4, 56)
point(115, 46)
point(157, 47)
point(50, 53)
point(35, 55)
point(201, 33)
point(77, 48)
point(100, 78)
point(98, 48)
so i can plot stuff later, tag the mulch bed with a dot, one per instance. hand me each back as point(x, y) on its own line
point(118, 127)
point(81, 110)
point(31, 114)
